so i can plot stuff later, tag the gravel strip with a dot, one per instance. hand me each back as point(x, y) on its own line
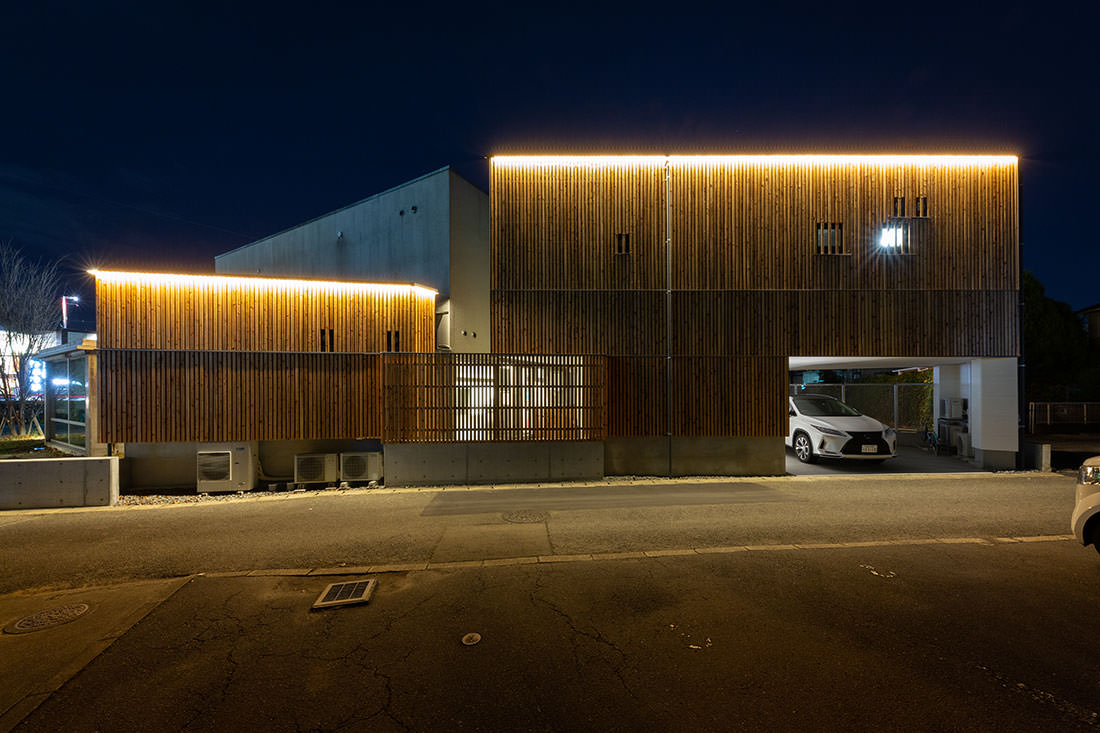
point(144, 499)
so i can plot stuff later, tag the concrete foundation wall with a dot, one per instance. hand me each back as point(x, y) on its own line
point(58, 482)
point(706, 456)
point(172, 465)
point(158, 465)
point(1035, 455)
point(995, 460)
point(426, 464)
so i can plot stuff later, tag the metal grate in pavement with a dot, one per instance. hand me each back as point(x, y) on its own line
point(346, 593)
point(48, 618)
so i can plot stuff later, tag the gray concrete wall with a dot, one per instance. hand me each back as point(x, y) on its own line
point(42, 483)
point(706, 456)
point(469, 285)
point(995, 460)
point(636, 456)
point(172, 465)
point(158, 465)
point(728, 457)
point(401, 235)
point(427, 464)
point(277, 456)
point(1035, 455)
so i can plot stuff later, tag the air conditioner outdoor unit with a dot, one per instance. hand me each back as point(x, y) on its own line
point(225, 467)
point(361, 466)
point(951, 408)
point(315, 468)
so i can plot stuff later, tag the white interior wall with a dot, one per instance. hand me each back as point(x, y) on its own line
point(946, 385)
point(993, 398)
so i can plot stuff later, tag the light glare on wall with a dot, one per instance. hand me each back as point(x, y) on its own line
point(267, 283)
point(521, 161)
point(892, 237)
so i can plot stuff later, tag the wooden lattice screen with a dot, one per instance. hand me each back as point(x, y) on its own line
point(443, 398)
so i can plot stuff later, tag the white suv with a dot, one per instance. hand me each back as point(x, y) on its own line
point(1085, 521)
point(822, 426)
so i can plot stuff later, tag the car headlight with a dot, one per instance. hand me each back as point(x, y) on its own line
point(828, 430)
point(1089, 475)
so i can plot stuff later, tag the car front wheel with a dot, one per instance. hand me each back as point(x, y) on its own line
point(803, 448)
point(1093, 534)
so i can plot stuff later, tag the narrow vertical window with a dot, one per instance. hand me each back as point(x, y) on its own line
point(899, 206)
point(389, 340)
point(397, 341)
point(622, 243)
point(830, 238)
point(322, 339)
point(330, 341)
point(921, 206)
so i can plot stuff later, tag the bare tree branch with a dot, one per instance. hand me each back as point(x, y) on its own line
point(29, 313)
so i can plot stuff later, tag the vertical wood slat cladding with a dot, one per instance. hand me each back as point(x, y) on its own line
point(759, 322)
point(747, 280)
point(431, 398)
point(748, 225)
point(718, 395)
point(752, 225)
point(721, 395)
point(557, 229)
point(216, 396)
point(219, 359)
point(637, 396)
point(234, 314)
point(560, 322)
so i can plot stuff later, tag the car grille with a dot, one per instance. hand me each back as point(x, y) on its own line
point(854, 447)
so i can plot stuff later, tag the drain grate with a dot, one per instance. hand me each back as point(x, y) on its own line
point(525, 516)
point(346, 593)
point(48, 618)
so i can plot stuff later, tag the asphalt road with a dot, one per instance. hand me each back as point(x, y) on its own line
point(855, 603)
point(929, 637)
point(60, 548)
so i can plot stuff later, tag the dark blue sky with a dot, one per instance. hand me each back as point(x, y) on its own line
point(156, 135)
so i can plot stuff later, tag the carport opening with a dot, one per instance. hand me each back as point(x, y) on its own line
point(931, 423)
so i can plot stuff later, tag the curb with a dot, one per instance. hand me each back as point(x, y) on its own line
point(635, 555)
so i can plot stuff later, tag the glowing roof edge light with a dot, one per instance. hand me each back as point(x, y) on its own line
point(808, 159)
point(273, 283)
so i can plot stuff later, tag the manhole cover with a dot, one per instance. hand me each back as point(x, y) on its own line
point(471, 638)
point(526, 516)
point(46, 619)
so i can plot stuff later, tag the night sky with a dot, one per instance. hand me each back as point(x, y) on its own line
point(155, 135)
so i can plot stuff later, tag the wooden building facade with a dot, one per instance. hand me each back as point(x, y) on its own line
point(215, 358)
point(186, 359)
point(698, 277)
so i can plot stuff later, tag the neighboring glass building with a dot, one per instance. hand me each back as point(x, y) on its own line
point(67, 403)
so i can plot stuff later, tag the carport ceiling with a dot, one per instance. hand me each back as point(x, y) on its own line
point(800, 363)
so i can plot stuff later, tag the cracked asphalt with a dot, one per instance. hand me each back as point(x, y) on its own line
point(931, 637)
point(886, 624)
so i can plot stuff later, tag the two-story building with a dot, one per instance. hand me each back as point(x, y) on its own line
point(592, 315)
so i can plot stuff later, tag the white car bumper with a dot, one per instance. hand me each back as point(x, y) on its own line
point(832, 446)
point(1086, 507)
